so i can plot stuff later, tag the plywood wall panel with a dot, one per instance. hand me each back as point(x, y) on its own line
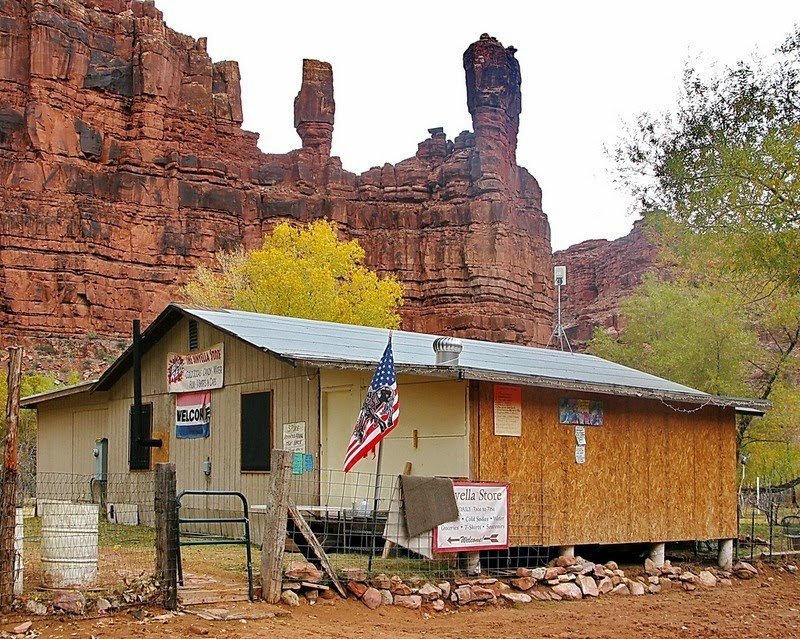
point(651, 473)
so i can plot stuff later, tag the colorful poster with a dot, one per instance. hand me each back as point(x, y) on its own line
point(507, 410)
point(483, 519)
point(193, 415)
point(580, 411)
point(195, 371)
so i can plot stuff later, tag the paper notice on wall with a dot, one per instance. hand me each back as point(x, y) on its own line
point(298, 463)
point(580, 435)
point(580, 454)
point(294, 437)
point(507, 410)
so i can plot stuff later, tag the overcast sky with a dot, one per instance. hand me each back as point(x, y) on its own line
point(587, 69)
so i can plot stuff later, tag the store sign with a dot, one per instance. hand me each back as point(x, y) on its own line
point(196, 371)
point(482, 523)
point(193, 415)
point(507, 410)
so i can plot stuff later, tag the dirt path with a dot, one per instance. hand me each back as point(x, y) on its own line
point(768, 606)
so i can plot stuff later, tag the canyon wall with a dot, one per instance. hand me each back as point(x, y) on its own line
point(600, 274)
point(123, 165)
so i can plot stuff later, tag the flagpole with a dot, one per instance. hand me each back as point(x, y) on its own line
point(376, 498)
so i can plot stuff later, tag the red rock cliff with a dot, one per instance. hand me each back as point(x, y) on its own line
point(600, 274)
point(123, 165)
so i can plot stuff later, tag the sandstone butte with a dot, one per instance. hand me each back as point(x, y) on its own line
point(123, 165)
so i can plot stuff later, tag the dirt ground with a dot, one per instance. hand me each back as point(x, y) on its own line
point(767, 606)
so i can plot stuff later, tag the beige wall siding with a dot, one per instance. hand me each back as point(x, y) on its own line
point(68, 427)
point(436, 408)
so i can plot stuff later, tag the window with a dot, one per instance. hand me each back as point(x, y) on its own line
point(193, 339)
point(256, 431)
point(138, 455)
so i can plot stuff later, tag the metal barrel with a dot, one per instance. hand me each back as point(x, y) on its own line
point(69, 544)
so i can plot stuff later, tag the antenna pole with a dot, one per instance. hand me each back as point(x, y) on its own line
point(558, 330)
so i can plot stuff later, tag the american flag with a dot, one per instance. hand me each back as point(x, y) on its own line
point(379, 414)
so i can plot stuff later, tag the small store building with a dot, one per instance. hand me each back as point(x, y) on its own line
point(613, 455)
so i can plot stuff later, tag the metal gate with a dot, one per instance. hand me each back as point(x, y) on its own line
point(199, 539)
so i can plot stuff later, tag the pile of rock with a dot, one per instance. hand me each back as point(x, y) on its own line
point(412, 593)
point(303, 579)
point(564, 578)
point(689, 580)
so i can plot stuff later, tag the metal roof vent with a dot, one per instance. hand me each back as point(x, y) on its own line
point(447, 350)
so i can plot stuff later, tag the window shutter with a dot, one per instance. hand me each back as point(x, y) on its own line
point(138, 455)
point(256, 442)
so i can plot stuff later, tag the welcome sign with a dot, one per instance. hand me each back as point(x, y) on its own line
point(193, 415)
point(196, 371)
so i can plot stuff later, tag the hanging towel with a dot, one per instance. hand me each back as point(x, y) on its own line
point(427, 502)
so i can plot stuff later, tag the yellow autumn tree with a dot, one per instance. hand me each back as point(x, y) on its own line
point(300, 271)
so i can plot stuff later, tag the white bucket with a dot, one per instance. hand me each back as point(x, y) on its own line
point(18, 537)
point(69, 544)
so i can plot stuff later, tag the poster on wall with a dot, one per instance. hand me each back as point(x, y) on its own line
point(294, 437)
point(482, 522)
point(196, 371)
point(193, 415)
point(507, 410)
point(580, 411)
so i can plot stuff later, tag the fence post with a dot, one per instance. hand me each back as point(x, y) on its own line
point(274, 540)
point(8, 499)
point(166, 514)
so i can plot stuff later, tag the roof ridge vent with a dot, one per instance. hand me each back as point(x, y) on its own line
point(447, 350)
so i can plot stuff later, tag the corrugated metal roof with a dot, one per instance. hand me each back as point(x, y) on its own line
point(82, 387)
point(330, 344)
point(327, 344)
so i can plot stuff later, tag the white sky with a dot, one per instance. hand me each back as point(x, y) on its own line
point(587, 68)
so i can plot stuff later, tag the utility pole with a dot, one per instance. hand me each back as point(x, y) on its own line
point(10, 481)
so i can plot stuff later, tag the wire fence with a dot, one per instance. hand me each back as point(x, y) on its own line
point(769, 524)
point(77, 531)
point(82, 532)
point(360, 528)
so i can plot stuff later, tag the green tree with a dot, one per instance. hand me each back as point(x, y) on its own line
point(300, 271)
point(726, 162)
point(26, 437)
point(695, 335)
point(708, 335)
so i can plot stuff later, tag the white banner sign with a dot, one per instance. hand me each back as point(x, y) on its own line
point(483, 519)
point(294, 437)
point(196, 371)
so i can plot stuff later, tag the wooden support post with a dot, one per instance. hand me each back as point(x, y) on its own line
point(166, 513)
point(274, 542)
point(8, 499)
